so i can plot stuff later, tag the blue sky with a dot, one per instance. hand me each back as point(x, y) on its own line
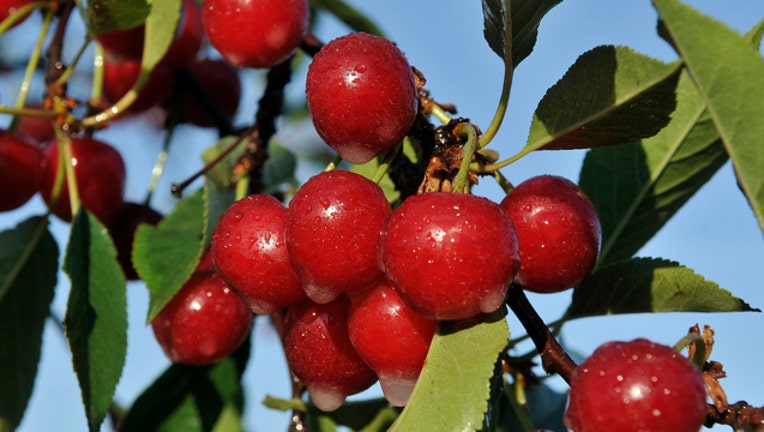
point(715, 233)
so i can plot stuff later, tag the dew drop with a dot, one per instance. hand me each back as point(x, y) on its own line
point(397, 390)
point(326, 398)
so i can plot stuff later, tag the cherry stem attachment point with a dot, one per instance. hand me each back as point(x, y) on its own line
point(468, 131)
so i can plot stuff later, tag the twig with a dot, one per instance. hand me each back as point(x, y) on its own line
point(554, 359)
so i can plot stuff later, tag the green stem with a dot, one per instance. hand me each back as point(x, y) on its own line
point(97, 88)
point(70, 70)
point(384, 166)
point(699, 358)
point(159, 164)
point(65, 160)
point(121, 105)
point(461, 182)
point(34, 60)
point(501, 109)
point(333, 164)
point(439, 113)
point(24, 258)
point(488, 169)
point(20, 14)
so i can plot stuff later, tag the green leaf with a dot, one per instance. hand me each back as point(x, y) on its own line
point(165, 255)
point(525, 17)
point(650, 285)
point(161, 24)
point(636, 188)
point(755, 35)
point(369, 169)
point(349, 15)
point(110, 15)
point(279, 168)
point(367, 415)
point(728, 74)
point(193, 398)
point(611, 95)
point(23, 310)
point(96, 314)
point(453, 389)
point(221, 172)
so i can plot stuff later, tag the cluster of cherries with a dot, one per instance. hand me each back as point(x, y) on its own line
point(364, 286)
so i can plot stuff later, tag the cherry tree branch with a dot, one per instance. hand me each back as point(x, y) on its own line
point(554, 359)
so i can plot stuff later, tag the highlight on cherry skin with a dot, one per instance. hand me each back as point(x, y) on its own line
point(21, 171)
point(203, 323)
point(319, 352)
point(100, 174)
point(558, 233)
point(333, 233)
point(250, 254)
point(274, 29)
point(361, 96)
point(390, 337)
point(636, 386)
point(451, 256)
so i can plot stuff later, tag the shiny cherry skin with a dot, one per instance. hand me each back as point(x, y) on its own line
point(221, 84)
point(205, 322)
point(361, 95)
point(250, 254)
point(558, 231)
point(21, 171)
point(37, 129)
point(255, 33)
point(636, 386)
point(100, 174)
point(334, 233)
point(127, 45)
point(122, 226)
point(390, 337)
point(9, 7)
point(319, 353)
point(450, 256)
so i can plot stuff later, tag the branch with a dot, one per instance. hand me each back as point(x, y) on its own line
point(554, 359)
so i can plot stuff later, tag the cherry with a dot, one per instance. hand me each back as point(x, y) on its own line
point(451, 256)
point(636, 386)
point(273, 29)
point(318, 350)
point(220, 83)
point(21, 171)
point(119, 78)
point(558, 231)
point(334, 233)
point(127, 45)
point(250, 254)
point(9, 7)
point(390, 337)
point(361, 95)
point(203, 323)
point(100, 174)
point(37, 129)
point(122, 226)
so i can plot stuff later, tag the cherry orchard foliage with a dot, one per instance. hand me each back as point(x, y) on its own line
point(361, 95)
point(414, 296)
point(636, 386)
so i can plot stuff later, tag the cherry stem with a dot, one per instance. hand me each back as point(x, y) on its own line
point(554, 359)
point(56, 66)
point(311, 45)
point(461, 181)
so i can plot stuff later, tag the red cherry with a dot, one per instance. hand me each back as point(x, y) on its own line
point(272, 29)
point(250, 254)
point(558, 232)
point(122, 226)
point(21, 171)
point(390, 337)
point(127, 45)
point(100, 174)
point(334, 233)
point(450, 256)
point(119, 78)
point(203, 323)
point(221, 83)
point(361, 95)
point(37, 129)
point(319, 352)
point(9, 7)
point(636, 386)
